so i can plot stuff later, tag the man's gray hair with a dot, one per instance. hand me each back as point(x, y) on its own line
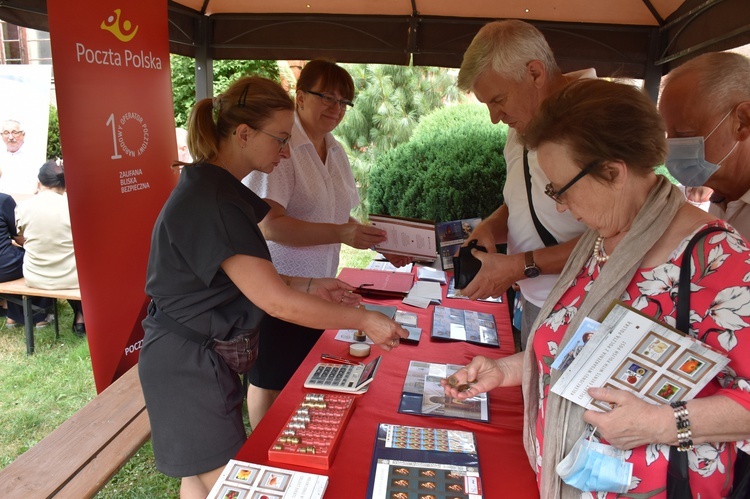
point(506, 47)
point(722, 78)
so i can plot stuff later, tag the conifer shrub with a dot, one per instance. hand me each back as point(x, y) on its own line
point(451, 168)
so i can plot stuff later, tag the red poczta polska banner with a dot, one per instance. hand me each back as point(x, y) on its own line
point(114, 95)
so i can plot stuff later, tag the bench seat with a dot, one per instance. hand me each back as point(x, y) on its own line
point(11, 290)
point(79, 457)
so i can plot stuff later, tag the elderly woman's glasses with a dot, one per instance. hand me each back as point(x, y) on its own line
point(551, 192)
point(330, 100)
point(282, 142)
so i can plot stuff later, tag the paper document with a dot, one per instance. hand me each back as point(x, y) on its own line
point(632, 352)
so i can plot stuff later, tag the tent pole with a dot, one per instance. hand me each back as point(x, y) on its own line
point(204, 72)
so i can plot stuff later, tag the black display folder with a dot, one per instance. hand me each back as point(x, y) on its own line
point(412, 462)
point(423, 394)
point(464, 325)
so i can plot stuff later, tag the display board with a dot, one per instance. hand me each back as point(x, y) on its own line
point(114, 97)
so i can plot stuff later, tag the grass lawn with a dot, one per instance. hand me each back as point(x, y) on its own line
point(39, 392)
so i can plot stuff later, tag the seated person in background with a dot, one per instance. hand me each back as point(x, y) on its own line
point(599, 142)
point(11, 262)
point(44, 223)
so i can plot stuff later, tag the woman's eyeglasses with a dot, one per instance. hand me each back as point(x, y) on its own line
point(330, 100)
point(555, 195)
point(282, 142)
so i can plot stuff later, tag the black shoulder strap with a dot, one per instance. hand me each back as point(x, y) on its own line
point(683, 286)
point(179, 329)
point(547, 238)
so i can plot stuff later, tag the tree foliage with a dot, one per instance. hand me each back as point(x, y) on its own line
point(54, 150)
point(452, 168)
point(225, 72)
point(389, 103)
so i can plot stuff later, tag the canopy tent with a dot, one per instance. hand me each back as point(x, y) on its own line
point(628, 38)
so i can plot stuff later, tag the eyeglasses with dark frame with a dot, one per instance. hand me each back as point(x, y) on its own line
point(282, 142)
point(330, 100)
point(555, 195)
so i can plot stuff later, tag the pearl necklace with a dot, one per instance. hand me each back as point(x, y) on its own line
point(599, 254)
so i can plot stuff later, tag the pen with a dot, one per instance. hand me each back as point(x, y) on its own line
point(339, 360)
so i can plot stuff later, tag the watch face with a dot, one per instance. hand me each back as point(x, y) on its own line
point(531, 272)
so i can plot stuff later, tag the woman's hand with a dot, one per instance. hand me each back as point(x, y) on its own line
point(398, 260)
point(333, 290)
point(384, 332)
point(360, 236)
point(631, 422)
point(481, 375)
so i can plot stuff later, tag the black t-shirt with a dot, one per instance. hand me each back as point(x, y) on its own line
point(11, 256)
point(209, 217)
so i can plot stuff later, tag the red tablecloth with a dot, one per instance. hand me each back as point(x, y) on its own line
point(504, 466)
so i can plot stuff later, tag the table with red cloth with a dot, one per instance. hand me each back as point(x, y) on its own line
point(503, 463)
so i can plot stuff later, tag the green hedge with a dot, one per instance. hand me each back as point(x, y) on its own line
point(451, 168)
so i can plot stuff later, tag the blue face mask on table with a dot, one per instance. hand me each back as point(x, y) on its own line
point(593, 466)
point(686, 159)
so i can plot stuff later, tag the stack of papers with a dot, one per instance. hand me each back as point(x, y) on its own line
point(423, 293)
point(430, 274)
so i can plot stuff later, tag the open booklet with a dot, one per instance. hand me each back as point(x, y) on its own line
point(410, 462)
point(464, 325)
point(632, 352)
point(424, 395)
point(241, 480)
point(406, 236)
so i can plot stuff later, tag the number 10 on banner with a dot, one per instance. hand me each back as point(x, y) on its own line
point(134, 122)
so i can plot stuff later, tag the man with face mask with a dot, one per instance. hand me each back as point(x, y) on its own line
point(706, 107)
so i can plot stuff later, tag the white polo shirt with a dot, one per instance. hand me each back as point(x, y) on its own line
point(522, 233)
point(311, 191)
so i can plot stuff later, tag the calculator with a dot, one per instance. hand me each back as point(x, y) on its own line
point(342, 377)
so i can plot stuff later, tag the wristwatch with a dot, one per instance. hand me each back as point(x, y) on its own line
point(530, 270)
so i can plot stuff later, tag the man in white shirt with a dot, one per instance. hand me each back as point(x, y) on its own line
point(16, 163)
point(510, 67)
point(706, 107)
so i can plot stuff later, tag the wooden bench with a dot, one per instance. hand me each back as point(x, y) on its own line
point(12, 290)
point(79, 457)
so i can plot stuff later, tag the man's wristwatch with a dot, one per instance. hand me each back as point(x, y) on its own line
point(530, 270)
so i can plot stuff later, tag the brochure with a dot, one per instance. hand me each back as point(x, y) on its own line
point(241, 480)
point(424, 395)
point(464, 325)
point(631, 351)
point(451, 235)
point(406, 236)
point(411, 462)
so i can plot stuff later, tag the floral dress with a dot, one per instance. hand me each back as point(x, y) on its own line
point(719, 316)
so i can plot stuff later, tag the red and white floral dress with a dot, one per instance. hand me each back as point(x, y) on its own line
point(719, 316)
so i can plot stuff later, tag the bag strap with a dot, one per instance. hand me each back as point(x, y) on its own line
point(683, 286)
point(547, 238)
point(678, 484)
point(179, 329)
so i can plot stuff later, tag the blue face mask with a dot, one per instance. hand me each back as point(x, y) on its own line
point(594, 467)
point(686, 159)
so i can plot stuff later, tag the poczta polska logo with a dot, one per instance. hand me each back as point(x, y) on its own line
point(124, 31)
